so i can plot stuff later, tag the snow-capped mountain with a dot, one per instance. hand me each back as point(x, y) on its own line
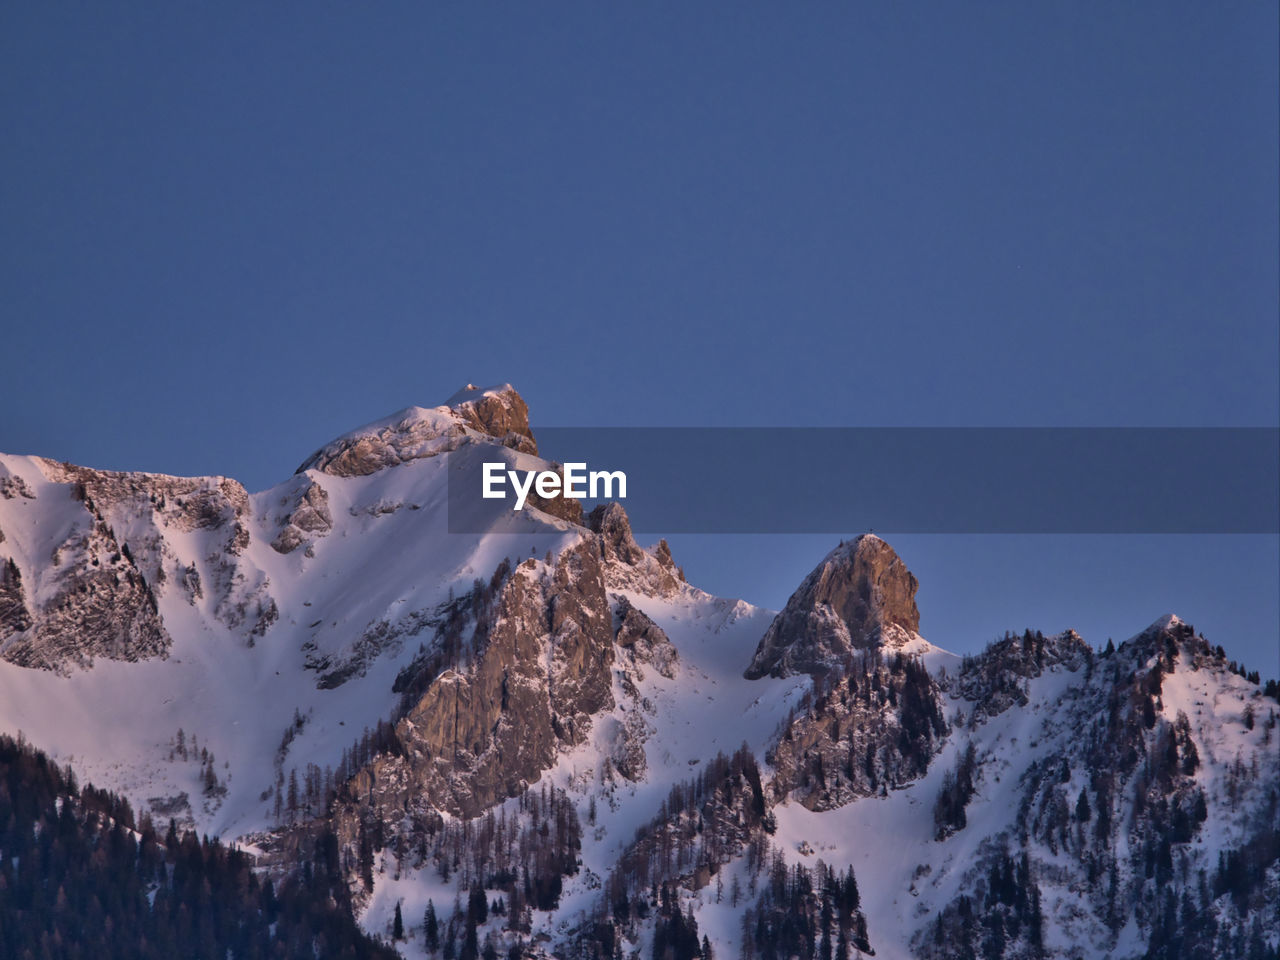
point(541, 739)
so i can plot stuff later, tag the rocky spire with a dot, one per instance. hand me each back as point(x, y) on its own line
point(860, 596)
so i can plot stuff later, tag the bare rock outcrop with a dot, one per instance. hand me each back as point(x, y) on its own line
point(306, 518)
point(181, 503)
point(628, 565)
point(104, 611)
point(643, 641)
point(98, 598)
point(627, 755)
point(496, 413)
point(581, 641)
point(862, 596)
point(96, 595)
point(482, 733)
point(499, 412)
point(536, 677)
point(560, 507)
point(12, 486)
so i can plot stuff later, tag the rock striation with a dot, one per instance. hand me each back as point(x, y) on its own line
point(484, 732)
point(535, 679)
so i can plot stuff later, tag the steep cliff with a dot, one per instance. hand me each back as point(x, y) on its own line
point(861, 596)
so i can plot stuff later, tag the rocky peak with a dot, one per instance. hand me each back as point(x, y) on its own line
point(610, 522)
point(497, 411)
point(1168, 627)
point(1166, 639)
point(628, 566)
point(489, 413)
point(861, 596)
point(95, 593)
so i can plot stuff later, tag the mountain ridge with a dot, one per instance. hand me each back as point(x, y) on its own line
point(436, 702)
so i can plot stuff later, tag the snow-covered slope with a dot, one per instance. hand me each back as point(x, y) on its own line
point(256, 630)
point(547, 718)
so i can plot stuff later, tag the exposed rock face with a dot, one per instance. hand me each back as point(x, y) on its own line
point(610, 521)
point(474, 734)
point(499, 412)
point(108, 612)
point(13, 486)
point(307, 518)
point(353, 659)
point(643, 641)
point(874, 720)
point(628, 566)
point(581, 643)
point(482, 733)
point(412, 434)
point(640, 644)
point(96, 593)
point(185, 503)
point(627, 754)
point(564, 508)
point(862, 596)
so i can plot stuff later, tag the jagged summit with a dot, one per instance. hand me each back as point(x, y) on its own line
point(860, 596)
point(632, 567)
point(1170, 625)
point(497, 413)
point(548, 714)
point(1165, 634)
point(1170, 622)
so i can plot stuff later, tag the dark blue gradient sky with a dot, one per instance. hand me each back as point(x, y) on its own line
point(231, 231)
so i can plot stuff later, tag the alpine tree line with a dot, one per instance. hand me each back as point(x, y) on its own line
point(957, 790)
point(1139, 780)
point(704, 824)
point(871, 727)
point(1003, 916)
point(512, 861)
point(79, 878)
point(813, 914)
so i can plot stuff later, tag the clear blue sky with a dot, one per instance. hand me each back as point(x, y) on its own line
point(232, 231)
